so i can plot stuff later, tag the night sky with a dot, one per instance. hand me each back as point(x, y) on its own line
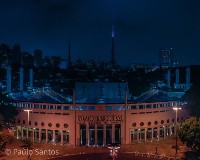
point(142, 27)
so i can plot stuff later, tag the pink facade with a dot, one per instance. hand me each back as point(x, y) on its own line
point(95, 124)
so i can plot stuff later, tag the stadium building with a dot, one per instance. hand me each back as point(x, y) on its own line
point(99, 113)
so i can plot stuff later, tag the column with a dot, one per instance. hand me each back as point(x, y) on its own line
point(54, 136)
point(145, 134)
point(61, 134)
point(27, 131)
point(95, 132)
point(104, 134)
point(87, 134)
point(113, 133)
point(158, 133)
point(39, 132)
point(170, 131)
point(33, 134)
point(46, 135)
point(165, 128)
point(152, 132)
point(138, 130)
point(22, 133)
point(17, 132)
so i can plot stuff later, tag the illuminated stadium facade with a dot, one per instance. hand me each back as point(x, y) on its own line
point(98, 113)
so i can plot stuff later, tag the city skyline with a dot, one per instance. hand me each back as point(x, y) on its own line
point(141, 29)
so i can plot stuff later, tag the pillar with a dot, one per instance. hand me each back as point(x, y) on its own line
point(27, 130)
point(104, 134)
point(21, 79)
point(158, 133)
point(46, 135)
point(22, 133)
point(33, 134)
point(87, 134)
point(188, 75)
point(145, 134)
point(17, 132)
point(39, 132)
point(61, 134)
point(113, 133)
point(177, 75)
point(31, 78)
point(95, 132)
point(138, 130)
point(54, 136)
point(168, 78)
point(164, 128)
point(152, 133)
point(170, 131)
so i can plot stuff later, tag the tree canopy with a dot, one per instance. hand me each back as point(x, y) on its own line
point(192, 96)
point(189, 133)
point(7, 111)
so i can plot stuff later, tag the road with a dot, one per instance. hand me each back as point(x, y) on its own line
point(106, 156)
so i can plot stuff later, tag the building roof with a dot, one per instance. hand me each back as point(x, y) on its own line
point(44, 95)
point(101, 92)
point(156, 95)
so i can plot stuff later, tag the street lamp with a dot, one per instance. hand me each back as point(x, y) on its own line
point(27, 110)
point(176, 109)
point(114, 150)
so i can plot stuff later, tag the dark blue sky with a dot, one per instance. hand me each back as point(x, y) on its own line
point(142, 27)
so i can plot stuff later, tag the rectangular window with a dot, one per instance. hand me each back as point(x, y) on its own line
point(50, 107)
point(108, 107)
point(141, 106)
point(133, 107)
point(82, 107)
point(74, 107)
point(58, 107)
point(36, 106)
point(91, 107)
point(66, 108)
point(148, 106)
point(43, 106)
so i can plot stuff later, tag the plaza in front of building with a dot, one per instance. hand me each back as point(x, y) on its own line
point(41, 151)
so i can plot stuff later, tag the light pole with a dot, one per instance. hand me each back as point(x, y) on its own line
point(27, 110)
point(176, 109)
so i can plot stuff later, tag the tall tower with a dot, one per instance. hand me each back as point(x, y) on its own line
point(69, 54)
point(113, 48)
point(166, 58)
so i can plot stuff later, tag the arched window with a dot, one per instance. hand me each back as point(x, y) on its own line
point(57, 125)
point(65, 125)
point(149, 123)
point(50, 125)
point(134, 124)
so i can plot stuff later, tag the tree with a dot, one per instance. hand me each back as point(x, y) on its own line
point(192, 96)
point(5, 138)
point(7, 112)
point(189, 133)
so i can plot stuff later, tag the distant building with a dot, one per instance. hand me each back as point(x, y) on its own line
point(52, 62)
point(38, 57)
point(166, 58)
point(27, 59)
point(9, 55)
point(146, 67)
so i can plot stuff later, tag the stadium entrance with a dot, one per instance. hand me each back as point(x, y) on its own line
point(100, 134)
point(99, 130)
